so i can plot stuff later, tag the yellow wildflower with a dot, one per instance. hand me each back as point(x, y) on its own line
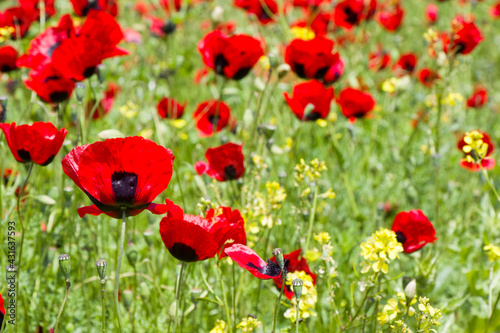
point(302, 33)
point(248, 324)
point(323, 237)
point(219, 327)
point(379, 250)
point(493, 252)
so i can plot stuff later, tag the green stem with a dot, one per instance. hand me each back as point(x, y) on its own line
point(21, 192)
point(118, 267)
point(224, 299)
point(103, 306)
point(297, 317)
point(276, 310)
point(490, 183)
point(493, 309)
point(68, 284)
point(177, 294)
point(311, 217)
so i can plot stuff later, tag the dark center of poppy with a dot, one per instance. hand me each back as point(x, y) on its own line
point(409, 67)
point(299, 70)
point(321, 72)
point(264, 15)
point(241, 73)
point(48, 161)
point(312, 116)
point(6, 68)
point(230, 172)
point(219, 64)
point(400, 237)
point(359, 114)
point(1, 318)
point(459, 47)
point(124, 186)
point(352, 16)
point(92, 4)
point(89, 71)
point(183, 252)
point(214, 120)
point(272, 269)
point(168, 28)
point(24, 155)
point(58, 96)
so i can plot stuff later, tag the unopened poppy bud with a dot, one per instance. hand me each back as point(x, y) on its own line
point(65, 265)
point(278, 255)
point(128, 297)
point(131, 254)
point(3, 111)
point(148, 237)
point(80, 91)
point(273, 60)
point(283, 70)
point(217, 14)
point(297, 288)
point(101, 73)
point(267, 129)
point(411, 290)
point(101, 265)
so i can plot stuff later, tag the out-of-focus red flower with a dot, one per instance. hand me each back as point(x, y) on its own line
point(132, 36)
point(314, 59)
point(83, 7)
point(431, 13)
point(355, 103)
point(35, 5)
point(8, 58)
point(263, 10)
point(378, 60)
point(391, 18)
point(465, 37)
point(495, 10)
point(165, 4)
point(161, 28)
point(349, 13)
point(211, 117)
point(200, 74)
point(170, 108)
point(478, 98)
point(413, 230)
point(308, 3)
point(224, 163)
point(49, 85)
point(232, 57)
point(317, 22)
point(428, 77)
point(19, 19)
point(311, 97)
point(475, 160)
point(405, 65)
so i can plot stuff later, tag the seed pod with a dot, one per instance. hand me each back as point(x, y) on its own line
point(80, 91)
point(297, 288)
point(65, 265)
point(278, 255)
point(101, 265)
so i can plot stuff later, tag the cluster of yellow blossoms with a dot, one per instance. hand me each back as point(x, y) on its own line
point(308, 298)
point(475, 148)
point(379, 250)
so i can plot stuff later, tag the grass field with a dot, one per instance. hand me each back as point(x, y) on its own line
point(331, 186)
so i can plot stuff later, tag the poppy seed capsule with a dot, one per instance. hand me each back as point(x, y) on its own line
point(128, 297)
point(80, 91)
point(278, 255)
point(131, 254)
point(65, 265)
point(101, 73)
point(297, 288)
point(283, 70)
point(101, 265)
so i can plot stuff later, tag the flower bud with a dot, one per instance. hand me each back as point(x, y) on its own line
point(278, 255)
point(128, 297)
point(148, 237)
point(273, 60)
point(65, 265)
point(267, 129)
point(131, 254)
point(101, 73)
point(411, 290)
point(283, 70)
point(101, 265)
point(297, 288)
point(217, 14)
point(80, 91)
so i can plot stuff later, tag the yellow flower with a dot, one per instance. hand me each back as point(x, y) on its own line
point(452, 98)
point(178, 123)
point(312, 255)
point(302, 33)
point(322, 237)
point(129, 110)
point(475, 148)
point(308, 298)
point(493, 252)
point(389, 85)
point(379, 250)
point(220, 326)
point(431, 35)
point(389, 312)
point(248, 324)
point(322, 122)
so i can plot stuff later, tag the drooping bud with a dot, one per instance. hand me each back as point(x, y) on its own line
point(278, 255)
point(65, 265)
point(101, 265)
point(80, 91)
point(297, 288)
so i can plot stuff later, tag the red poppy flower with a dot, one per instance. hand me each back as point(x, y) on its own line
point(308, 3)
point(391, 19)
point(349, 13)
point(105, 104)
point(247, 258)
point(413, 229)
point(124, 174)
point(38, 143)
point(49, 85)
point(314, 59)
point(19, 19)
point(355, 103)
point(2, 311)
point(232, 57)
point(311, 96)
point(170, 108)
point(478, 98)
point(161, 28)
point(495, 10)
point(191, 238)
point(211, 116)
point(42, 46)
point(378, 60)
point(8, 58)
point(431, 13)
point(405, 65)
point(466, 37)
point(470, 163)
point(317, 22)
point(428, 77)
point(293, 264)
point(264, 10)
point(50, 10)
point(165, 4)
point(224, 163)
point(83, 7)
point(77, 58)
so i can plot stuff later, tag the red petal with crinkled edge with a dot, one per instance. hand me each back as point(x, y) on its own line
point(246, 258)
point(228, 228)
point(150, 162)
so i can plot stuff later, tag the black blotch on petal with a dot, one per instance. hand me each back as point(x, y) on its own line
point(312, 116)
point(24, 155)
point(271, 269)
point(124, 186)
point(241, 73)
point(400, 237)
point(89, 71)
point(183, 252)
point(321, 72)
point(168, 28)
point(219, 64)
point(230, 172)
point(299, 70)
point(48, 161)
point(58, 96)
point(352, 16)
